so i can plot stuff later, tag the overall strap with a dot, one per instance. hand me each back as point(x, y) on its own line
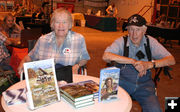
point(148, 50)
point(126, 48)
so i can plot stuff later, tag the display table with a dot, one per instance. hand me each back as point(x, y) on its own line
point(124, 103)
point(164, 32)
point(102, 23)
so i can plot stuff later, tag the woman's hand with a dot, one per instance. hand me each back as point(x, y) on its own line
point(75, 69)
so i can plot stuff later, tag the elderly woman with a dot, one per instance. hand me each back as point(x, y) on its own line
point(62, 44)
point(9, 26)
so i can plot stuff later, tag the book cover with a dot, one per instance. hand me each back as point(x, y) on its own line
point(90, 85)
point(41, 82)
point(108, 85)
point(15, 96)
point(80, 91)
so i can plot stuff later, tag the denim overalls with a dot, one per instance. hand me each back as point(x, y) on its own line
point(141, 89)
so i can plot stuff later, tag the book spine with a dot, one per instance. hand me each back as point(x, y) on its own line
point(85, 104)
point(76, 103)
point(30, 101)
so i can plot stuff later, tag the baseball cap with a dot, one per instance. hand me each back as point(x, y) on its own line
point(136, 20)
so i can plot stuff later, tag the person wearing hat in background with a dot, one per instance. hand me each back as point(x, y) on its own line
point(131, 55)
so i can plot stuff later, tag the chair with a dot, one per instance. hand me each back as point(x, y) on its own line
point(83, 70)
point(31, 44)
point(30, 34)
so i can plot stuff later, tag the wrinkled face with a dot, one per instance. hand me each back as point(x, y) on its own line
point(61, 25)
point(9, 21)
point(136, 34)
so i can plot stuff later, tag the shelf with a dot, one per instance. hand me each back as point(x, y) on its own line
point(171, 10)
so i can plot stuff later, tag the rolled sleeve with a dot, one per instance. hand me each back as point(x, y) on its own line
point(158, 50)
point(84, 52)
point(116, 47)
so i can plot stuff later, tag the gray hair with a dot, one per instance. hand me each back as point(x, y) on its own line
point(58, 11)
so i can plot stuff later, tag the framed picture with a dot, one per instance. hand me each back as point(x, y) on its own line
point(69, 7)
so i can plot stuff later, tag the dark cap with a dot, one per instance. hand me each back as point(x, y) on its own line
point(136, 20)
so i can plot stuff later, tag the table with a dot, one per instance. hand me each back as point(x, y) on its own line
point(124, 104)
point(164, 32)
point(101, 22)
point(79, 17)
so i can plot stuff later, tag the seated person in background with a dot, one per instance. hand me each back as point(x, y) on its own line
point(111, 10)
point(162, 21)
point(4, 54)
point(132, 56)
point(62, 44)
point(9, 26)
point(41, 14)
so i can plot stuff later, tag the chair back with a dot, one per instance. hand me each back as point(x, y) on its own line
point(31, 44)
point(30, 34)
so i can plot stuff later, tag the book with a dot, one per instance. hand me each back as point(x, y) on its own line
point(79, 91)
point(108, 85)
point(15, 96)
point(78, 104)
point(41, 82)
point(91, 85)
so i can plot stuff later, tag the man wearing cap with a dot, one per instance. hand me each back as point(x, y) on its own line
point(135, 54)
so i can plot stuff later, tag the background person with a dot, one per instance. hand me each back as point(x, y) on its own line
point(9, 26)
point(62, 44)
point(4, 54)
point(135, 67)
point(111, 10)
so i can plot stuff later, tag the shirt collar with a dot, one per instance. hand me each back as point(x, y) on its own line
point(143, 41)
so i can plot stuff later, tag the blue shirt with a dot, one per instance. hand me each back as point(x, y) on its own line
point(157, 50)
point(70, 52)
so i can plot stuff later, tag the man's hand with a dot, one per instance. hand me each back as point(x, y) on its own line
point(142, 67)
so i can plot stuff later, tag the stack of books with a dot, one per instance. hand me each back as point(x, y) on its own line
point(79, 94)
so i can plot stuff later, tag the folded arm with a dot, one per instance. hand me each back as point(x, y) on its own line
point(141, 66)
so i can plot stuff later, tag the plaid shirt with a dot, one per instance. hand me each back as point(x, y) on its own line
point(70, 52)
point(3, 50)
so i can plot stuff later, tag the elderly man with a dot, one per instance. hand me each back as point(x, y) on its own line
point(62, 44)
point(136, 54)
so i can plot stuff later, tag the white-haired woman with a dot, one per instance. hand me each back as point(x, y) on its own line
point(62, 44)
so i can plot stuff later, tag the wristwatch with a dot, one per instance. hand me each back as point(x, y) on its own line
point(154, 63)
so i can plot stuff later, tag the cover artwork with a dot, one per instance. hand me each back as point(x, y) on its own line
point(81, 90)
point(108, 87)
point(41, 83)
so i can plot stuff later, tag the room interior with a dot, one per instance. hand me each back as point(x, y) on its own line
point(99, 35)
